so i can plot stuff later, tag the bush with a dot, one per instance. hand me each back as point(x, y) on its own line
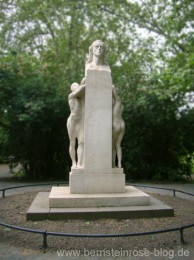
point(155, 141)
point(36, 112)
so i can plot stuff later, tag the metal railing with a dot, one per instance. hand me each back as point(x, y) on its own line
point(46, 233)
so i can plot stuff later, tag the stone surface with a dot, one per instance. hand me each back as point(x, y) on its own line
point(97, 175)
point(81, 171)
point(98, 122)
point(40, 210)
point(60, 197)
point(39, 207)
point(97, 183)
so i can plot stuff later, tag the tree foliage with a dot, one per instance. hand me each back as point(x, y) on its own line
point(43, 48)
point(35, 111)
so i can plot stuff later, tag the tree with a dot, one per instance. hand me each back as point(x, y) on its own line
point(36, 112)
point(44, 46)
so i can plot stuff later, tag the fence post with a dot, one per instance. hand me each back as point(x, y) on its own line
point(174, 193)
point(44, 242)
point(182, 235)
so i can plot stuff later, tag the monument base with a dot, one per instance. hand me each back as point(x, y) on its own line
point(60, 197)
point(42, 206)
point(83, 183)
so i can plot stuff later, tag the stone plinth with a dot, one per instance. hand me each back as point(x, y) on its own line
point(40, 210)
point(84, 183)
point(60, 197)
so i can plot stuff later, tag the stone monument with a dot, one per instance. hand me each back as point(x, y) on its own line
point(96, 129)
point(100, 129)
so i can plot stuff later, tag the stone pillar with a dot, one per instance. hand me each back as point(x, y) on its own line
point(98, 123)
point(97, 176)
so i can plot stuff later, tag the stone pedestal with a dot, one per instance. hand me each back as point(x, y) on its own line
point(97, 183)
point(59, 204)
point(97, 176)
point(60, 197)
point(98, 123)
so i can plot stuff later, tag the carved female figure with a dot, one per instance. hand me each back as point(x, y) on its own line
point(75, 123)
point(118, 129)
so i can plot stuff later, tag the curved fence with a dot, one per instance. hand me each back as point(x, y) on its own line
point(45, 233)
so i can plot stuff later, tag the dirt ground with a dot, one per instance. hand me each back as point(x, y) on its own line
point(13, 211)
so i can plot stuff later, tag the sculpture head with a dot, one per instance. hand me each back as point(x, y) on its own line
point(74, 86)
point(99, 50)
